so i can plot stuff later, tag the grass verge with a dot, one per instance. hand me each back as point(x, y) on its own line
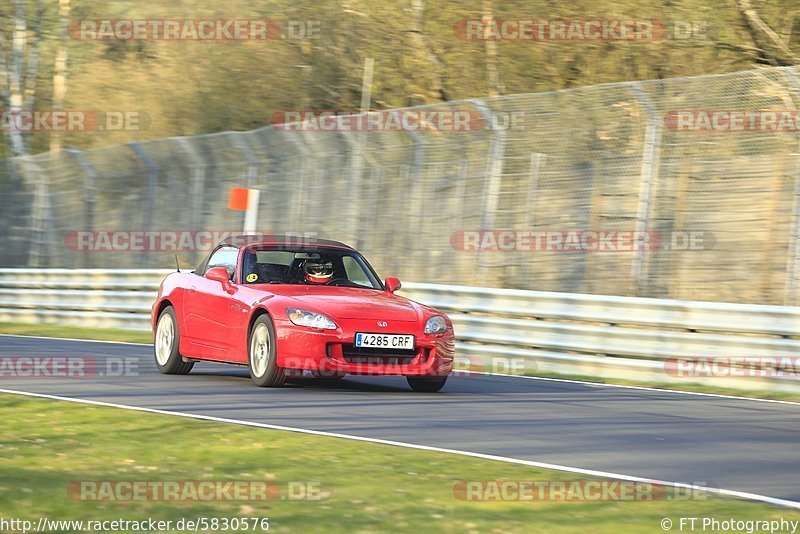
point(76, 332)
point(362, 487)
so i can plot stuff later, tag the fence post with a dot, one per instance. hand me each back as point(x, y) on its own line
point(494, 168)
point(89, 194)
point(370, 227)
point(197, 184)
point(649, 174)
point(299, 189)
point(534, 167)
point(357, 154)
point(358, 169)
point(252, 166)
point(42, 213)
point(354, 189)
point(415, 188)
point(793, 260)
point(150, 192)
point(527, 268)
point(494, 175)
point(249, 155)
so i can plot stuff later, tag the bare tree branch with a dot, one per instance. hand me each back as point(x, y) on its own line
point(773, 48)
point(787, 24)
point(424, 50)
point(733, 47)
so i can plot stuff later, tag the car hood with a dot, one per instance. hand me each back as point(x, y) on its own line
point(353, 303)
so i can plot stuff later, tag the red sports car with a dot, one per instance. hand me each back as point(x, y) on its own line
point(283, 305)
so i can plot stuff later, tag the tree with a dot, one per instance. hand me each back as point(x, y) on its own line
point(772, 48)
point(60, 70)
point(19, 67)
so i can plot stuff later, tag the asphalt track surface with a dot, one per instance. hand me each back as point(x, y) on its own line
point(729, 443)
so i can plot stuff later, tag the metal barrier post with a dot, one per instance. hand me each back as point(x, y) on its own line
point(494, 175)
point(793, 259)
point(299, 190)
point(150, 193)
point(198, 182)
point(89, 194)
point(533, 187)
point(414, 186)
point(649, 174)
point(250, 218)
point(42, 213)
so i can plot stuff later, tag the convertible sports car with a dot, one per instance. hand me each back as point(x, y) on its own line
point(282, 305)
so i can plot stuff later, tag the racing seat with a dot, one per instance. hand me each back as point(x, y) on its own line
point(272, 272)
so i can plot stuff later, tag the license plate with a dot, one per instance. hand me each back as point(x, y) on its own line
point(385, 341)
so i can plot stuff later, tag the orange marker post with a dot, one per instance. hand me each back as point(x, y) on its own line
point(245, 199)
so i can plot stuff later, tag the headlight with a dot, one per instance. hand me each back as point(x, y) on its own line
point(436, 325)
point(310, 319)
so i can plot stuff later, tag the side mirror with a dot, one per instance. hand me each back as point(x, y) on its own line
point(220, 274)
point(392, 284)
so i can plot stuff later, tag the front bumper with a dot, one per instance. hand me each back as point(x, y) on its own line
point(333, 351)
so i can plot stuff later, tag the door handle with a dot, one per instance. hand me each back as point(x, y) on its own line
point(192, 289)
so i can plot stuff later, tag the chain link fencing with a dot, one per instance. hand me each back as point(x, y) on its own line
point(614, 158)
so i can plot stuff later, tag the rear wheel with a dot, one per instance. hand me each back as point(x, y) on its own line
point(426, 384)
point(165, 345)
point(262, 357)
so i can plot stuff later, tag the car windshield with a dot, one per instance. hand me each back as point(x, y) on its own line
point(283, 264)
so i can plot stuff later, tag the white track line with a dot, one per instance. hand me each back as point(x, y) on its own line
point(502, 375)
point(556, 467)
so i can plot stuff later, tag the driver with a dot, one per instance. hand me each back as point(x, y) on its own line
point(318, 272)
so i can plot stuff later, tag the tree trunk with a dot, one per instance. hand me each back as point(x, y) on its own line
point(490, 46)
point(60, 71)
point(424, 52)
point(15, 77)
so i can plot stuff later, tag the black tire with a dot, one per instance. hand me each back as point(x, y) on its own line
point(426, 384)
point(262, 358)
point(165, 345)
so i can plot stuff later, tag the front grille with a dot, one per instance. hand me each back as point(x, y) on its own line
point(372, 356)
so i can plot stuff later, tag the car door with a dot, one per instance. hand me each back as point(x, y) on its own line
point(208, 309)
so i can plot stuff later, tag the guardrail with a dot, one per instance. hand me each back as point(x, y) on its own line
point(500, 329)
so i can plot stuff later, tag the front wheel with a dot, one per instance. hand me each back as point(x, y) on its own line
point(262, 358)
point(426, 384)
point(165, 344)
